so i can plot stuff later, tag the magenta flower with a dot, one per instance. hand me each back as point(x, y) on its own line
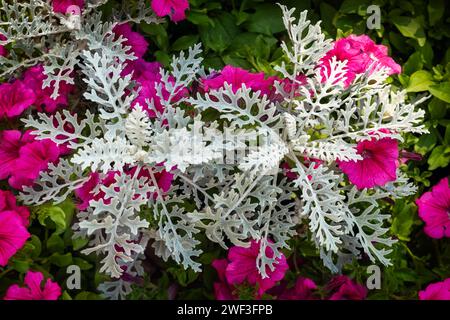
point(35, 289)
point(13, 235)
point(3, 51)
point(287, 171)
point(378, 166)
point(33, 78)
point(343, 288)
point(163, 179)
point(143, 71)
point(175, 9)
point(148, 76)
point(10, 143)
point(303, 290)
point(8, 203)
point(236, 77)
point(90, 191)
point(242, 267)
point(33, 158)
point(222, 289)
point(148, 92)
point(86, 192)
point(15, 98)
point(436, 291)
point(360, 52)
point(134, 40)
point(61, 6)
point(290, 87)
point(434, 210)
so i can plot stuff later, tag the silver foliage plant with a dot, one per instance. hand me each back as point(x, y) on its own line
point(235, 201)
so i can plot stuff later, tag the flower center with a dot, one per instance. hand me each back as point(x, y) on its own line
point(367, 154)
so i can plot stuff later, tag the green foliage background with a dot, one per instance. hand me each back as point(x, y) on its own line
point(247, 33)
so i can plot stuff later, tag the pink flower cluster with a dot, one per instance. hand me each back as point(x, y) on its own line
point(19, 95)
point(137, 43)
point(87, 191)
point(236, 77)
point(13, 226)
point(303, 289)
point(3, 51)
point(61, 6)
point(436, 291)
point(146, 74)
point(343, 288)
point(175, 9)
point(360, 52)
point(35, 289)
point(22, 157)
point(434, 210)
point(380, 157)
point(240, 267)
point(378, 165)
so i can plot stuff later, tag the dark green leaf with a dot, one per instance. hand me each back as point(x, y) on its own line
point(420, 81)
point(411, 28)
point(413, 64)
point(185, 42)
point(436, 9)
point(55, 244)
point(266, 20)
point(440, 157)
point(61, 260)
point(437, 108)
point(221, 35)
point(441, 91)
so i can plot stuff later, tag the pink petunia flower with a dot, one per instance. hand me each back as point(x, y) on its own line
point(343, 288)
point(8, 203)
point(360, 52)
point(303, 290)
point(434, 210)
point(22, 157)
point(10, 143)
point(61, 6)
point(289, 87)
point(33, 158)
point(90, 189)
point(13, 235)
point(33, 78)
point(163, 179)
point(143, 71)
point(436, 291)
point(222, 289)
point(87, 191)
point(134, 40)
point(242, 267)
point(3, 51)
point(35, 289)
point(378, 166)
point(148, 76)
point(175, 9)
point(287, 171)
point(236, 77)
point(15, 98)
point(148, 92)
